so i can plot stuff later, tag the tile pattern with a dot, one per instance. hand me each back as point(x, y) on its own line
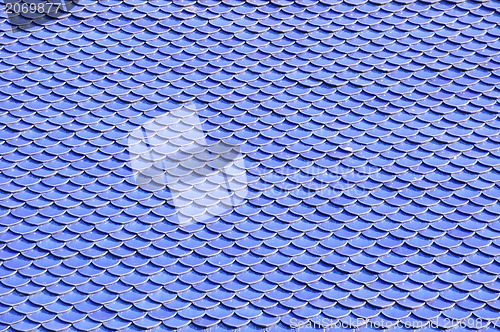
point(370, 130)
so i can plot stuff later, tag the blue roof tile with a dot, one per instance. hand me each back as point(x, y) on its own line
point(369, 134)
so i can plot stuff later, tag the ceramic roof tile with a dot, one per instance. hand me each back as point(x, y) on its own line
point(367, 132)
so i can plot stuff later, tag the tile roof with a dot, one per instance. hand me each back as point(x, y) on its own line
point(370, 136)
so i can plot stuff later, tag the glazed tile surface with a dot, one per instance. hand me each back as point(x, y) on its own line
point(370, 136)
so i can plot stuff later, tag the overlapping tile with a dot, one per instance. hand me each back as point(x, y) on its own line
point(370, 135)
